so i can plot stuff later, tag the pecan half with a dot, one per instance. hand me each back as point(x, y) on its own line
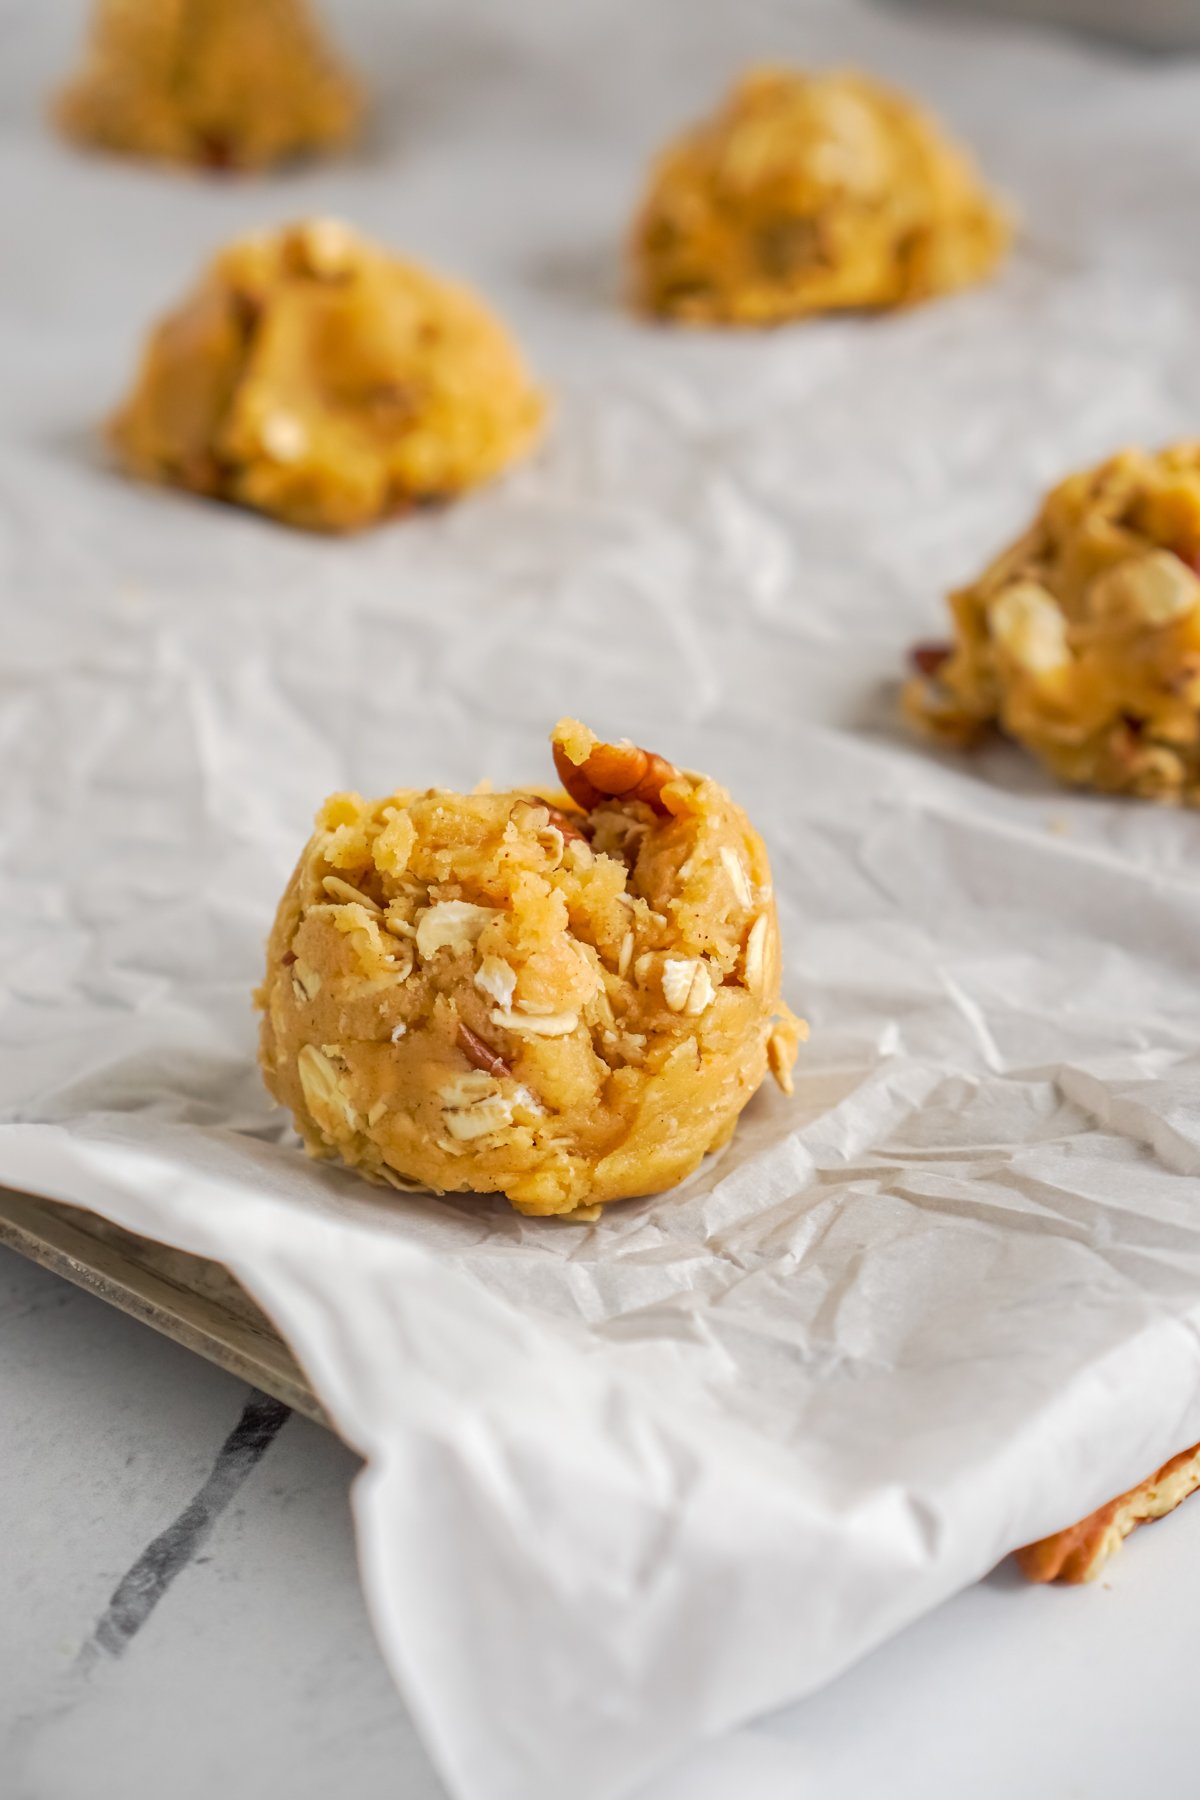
point(614, 772)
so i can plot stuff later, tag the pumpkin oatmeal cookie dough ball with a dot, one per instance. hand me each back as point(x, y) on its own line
point(1082, 641)
point(219, 83)
point(563, 1000)
point(313, 377)
point(810, 193)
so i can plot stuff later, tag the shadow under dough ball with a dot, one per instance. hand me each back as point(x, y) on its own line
point(810, 193)
point(564, 999)
point(216, 83)
point(1082, 639)
point(312, 376)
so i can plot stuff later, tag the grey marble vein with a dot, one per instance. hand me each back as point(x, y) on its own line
point(147, 1580)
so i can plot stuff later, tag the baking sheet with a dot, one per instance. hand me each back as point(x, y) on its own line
point(197, 1304)
point(630, 1483)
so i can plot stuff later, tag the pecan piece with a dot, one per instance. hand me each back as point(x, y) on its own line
point(927, 658)
point(216, 149)
point(479, 1053)
point(785, 244)
point(564, 822)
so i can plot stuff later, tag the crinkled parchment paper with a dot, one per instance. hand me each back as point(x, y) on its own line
point(631, 1482)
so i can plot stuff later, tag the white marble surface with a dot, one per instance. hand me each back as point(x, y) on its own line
point(256, 1677)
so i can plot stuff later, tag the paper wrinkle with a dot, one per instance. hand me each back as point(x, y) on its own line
point(632, 1482)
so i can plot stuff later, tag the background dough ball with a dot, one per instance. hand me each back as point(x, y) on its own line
point(1082, 640)
point(314, 377)
point(806, 194)
point(564, 1001)
point(221, 83)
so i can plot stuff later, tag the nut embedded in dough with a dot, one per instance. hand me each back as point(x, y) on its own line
point(464, 996)
point(218, 83)
point(1082, 640)
point(810, 193)
point(313, 377)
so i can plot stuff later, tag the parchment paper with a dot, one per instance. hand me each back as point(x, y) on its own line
point(630, 1483)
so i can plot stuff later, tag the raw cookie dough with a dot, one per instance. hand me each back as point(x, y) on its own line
point(564, 1000)
point(1081, 1552)
point(1082, 640)
point(809, 194)
point(221, 83)
point(314, 377)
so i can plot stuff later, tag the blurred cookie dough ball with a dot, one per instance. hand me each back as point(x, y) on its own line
point(316, 378)
point(1082, 641)
point(566, 1000)
point(810, 193)
point(219, 83)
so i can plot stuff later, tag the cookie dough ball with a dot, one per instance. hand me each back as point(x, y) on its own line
point(566, 1000)
point(314, 377)
point(809, 194)
point(1082, 640)
point(220, 83)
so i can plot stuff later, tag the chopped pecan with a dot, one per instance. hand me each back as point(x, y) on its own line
point(927, 658)
point(479, 1053)
point(393, 402)
point(785, 244)
point(570, 827)
point(216, 149)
